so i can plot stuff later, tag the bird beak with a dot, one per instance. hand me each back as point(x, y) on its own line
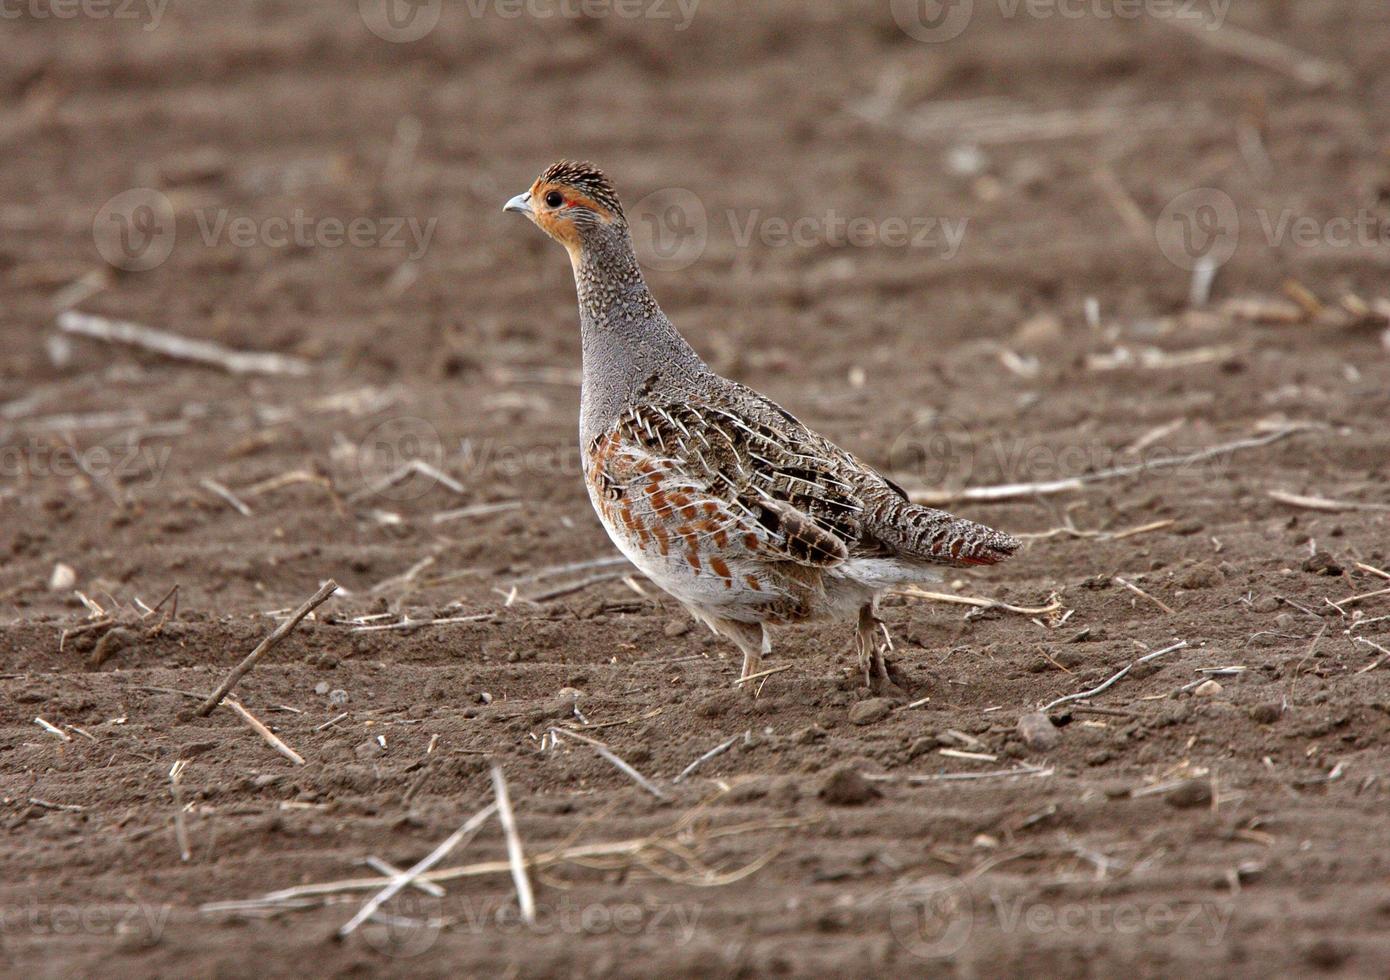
point(521, 204)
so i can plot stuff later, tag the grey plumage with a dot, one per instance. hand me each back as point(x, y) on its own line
point(720, 496)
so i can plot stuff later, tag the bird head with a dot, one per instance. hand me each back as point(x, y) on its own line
point(572, 203)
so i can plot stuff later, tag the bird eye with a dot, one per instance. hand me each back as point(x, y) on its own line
point(554, 199)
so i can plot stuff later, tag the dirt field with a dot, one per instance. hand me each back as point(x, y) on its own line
point(968, 258)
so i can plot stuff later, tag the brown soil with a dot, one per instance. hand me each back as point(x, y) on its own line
point(468, 359)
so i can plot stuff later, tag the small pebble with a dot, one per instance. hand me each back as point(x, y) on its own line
point(1327, 954)
point(1322, 563)
point(1200, 576)
point(63, 578)
point(369, 749)
point(1038, 733)
point(338, 697)
point(1192, 793)
point(846, 787)
point(111, 643)
point(870, 711)
point(1208, 689)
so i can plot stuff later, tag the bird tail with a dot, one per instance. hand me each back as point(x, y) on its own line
point(936, 536)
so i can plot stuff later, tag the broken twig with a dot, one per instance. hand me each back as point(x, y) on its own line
point(281, 631)
point(1109, 683)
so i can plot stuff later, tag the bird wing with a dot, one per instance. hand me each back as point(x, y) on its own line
point(703, 469)
point(744, 466)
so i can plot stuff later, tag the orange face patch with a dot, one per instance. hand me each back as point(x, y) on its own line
point(554, 220)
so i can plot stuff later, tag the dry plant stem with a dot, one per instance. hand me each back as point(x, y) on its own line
point(391, 871)
point(406, 472)
point(404, 578)
point(1357, 598)
point(281, 631)
point(180, 348)
point(257, 726)
point(717, 750)
point(761, 674)
point(1140, 227)
point(1107, 684)
point(180, 823)
point(52, 729)
point(231, 499)
point(1385, 654)
point(1321, 503)
point(476, 510)
point(469, 828)
point(1099, 535)
point(577, 566)
point(1307, 70)
point(410, 624)
point(1142, 594)
point(515, 857)
point(608, 754)
point(1008, 491)
point(564, 590)
point(964, 600)
point(958, 776)
point(579, 854)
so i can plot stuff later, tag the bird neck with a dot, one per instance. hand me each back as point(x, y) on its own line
point(627, 340)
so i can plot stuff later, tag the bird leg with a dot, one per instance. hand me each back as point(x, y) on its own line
point(752, 639)
point(870, 651)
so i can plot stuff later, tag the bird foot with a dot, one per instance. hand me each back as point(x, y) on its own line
point(752, 664)
point(870, 649)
